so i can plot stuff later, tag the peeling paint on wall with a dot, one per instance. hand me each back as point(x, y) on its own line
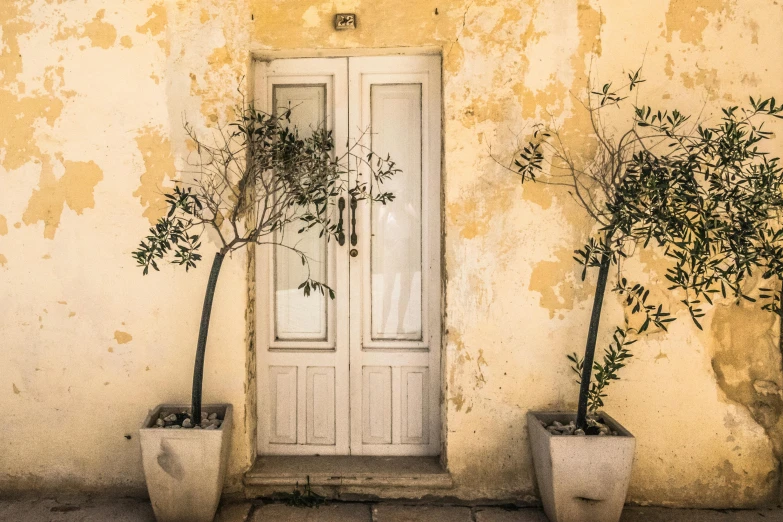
point(514, 304)
point(155, 149)
point(100, 33)
point(74, 188)
point(122, 337)
point(690, 18)
point(747, 363)
point(551, 280)
point(156, 23)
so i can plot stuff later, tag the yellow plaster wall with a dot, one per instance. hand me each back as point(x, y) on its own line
point(93, 95)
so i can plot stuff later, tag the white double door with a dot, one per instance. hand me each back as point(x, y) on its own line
point(359, 374)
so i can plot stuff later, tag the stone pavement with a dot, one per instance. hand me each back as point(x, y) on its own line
point(87, 509)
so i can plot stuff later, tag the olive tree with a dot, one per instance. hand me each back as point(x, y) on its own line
point(251, 183)
point(705, 193)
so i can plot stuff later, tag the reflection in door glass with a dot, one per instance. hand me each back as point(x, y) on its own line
point(396, 228)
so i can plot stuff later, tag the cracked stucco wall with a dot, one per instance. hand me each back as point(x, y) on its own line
point(93, 96)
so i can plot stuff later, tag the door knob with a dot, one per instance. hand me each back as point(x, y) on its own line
point(354, 252)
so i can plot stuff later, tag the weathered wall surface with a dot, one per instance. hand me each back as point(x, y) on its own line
point(93, 95)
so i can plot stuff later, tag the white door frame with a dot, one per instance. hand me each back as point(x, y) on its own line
point(401, 357)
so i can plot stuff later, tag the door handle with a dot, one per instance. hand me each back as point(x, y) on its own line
point(340, 233)
point(354, 237)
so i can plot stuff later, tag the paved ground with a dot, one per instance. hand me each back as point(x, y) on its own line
point(85, 509)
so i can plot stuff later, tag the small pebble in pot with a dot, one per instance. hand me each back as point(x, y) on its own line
point(187, 424)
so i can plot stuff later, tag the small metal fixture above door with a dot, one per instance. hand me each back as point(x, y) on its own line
point(343, 21)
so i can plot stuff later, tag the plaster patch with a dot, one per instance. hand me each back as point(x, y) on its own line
point(122, 337)
point(65, 33)
point(707, 78)
point(669, 67)
point(3, 260)
point(550, 279)
point(18, 123)
point(590, 23)
point(74, 188)
point(474, 216)
point(100, 33)
point(690, 18)
point(223, 72)
point(21, 115)
point(463, 215)
point(746, 362)
point(156, 23)
point(15, 389)
point(13, 26)
point(754, 31)
point(458, 400)
point(751, 80)
point(3, 225)
point(126, 42)
point(155, 149)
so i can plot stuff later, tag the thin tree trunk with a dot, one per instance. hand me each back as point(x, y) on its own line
point(201, 347)
point(592, 336)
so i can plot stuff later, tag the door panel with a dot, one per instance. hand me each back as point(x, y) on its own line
point(377, 405)
point(320, 406)
point(394, 108)
point(414, 405)
point(282, 392)
point(294, 331)
point(359, 374)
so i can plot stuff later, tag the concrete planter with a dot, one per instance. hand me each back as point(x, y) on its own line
point(581, 478)
point(185, 468)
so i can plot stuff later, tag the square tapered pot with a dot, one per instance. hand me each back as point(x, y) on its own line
point(581, 478)
point(185, 468)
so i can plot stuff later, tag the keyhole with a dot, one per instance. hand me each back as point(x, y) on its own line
point(354, 252)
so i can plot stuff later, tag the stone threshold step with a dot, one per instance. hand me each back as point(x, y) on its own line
point(353, 471)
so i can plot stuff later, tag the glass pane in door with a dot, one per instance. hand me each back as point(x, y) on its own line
point(396, 253)
point(298, 317)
